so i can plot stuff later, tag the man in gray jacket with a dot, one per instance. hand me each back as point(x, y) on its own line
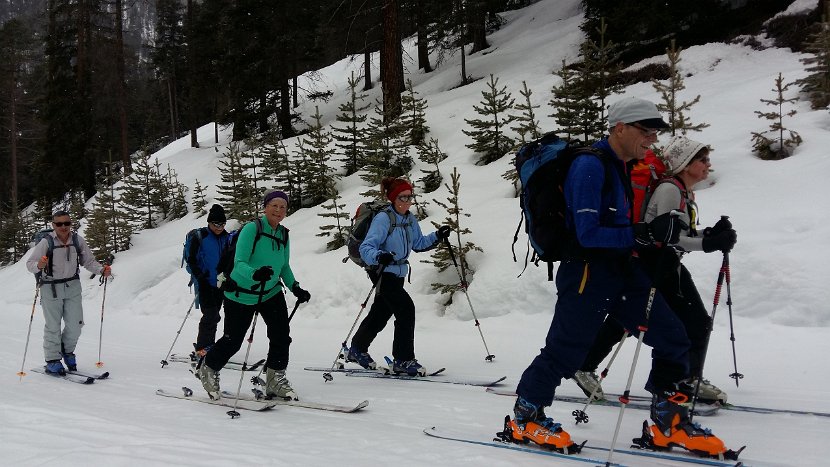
point(56, 261)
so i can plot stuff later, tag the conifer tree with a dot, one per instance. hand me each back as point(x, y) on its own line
point(16, 231)
point(441, 258)
point(772, 144)
point(236, 191)
point(199, 199)
point(349, 137)
point(315, 148)
point(178, 192)
point(565, 103)
point(386, 154)
point(141, 195)
point(77, 208)
point(338, 232)
point(669, 91)
point(600, 64)
point(817, 84)
point(430, 153)
point(489, 138)
point(109, 228)
point(413, 115)
point(526, 124)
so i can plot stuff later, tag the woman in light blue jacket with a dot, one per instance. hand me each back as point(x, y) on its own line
point(386, 250)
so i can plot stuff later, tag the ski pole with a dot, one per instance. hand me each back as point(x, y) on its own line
point(715, 302)
point(164, 361)
point(580, 415)
point(643, 328)
point(490, 357)
point(233, 413)
point(104, 280)
point(737, 376)
point(22, 373)
point(327, 376)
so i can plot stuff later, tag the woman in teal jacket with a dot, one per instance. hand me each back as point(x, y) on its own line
point(261, 268)
point(388, 247)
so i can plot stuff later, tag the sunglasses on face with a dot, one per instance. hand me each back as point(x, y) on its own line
point(646, 131)
point(218, 225)
point(62, 224)
point(705, 160)
point(406, 198)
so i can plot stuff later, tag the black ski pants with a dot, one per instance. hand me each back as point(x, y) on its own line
point(238, 318)
point(210, 302)
point(676, 286)
point(390, 300)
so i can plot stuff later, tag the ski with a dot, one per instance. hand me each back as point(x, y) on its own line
point(704, 410)
point(690, 459)
point(230, 365)
point(103, 375)
point(430, 379)
point(531, 448)
point(258, 396)
point(68, 377)
point(187, 394)
point(747, 408)
point(382, 370)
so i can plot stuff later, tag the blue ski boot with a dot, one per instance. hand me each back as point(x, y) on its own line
point(363, 359)
point(69, 359)
point(55, 367)
point(410, 367)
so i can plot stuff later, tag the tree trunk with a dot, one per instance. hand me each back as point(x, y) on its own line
point(172, 112)
point(295, 104)
point(477, 14)
point(423, 39)
point(13, 135)
point(191, 80)
point(367, 70)
point(391, 70)
point(286, 130)
point(122, 92)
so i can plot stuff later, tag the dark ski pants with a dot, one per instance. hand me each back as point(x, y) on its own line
point(587, 292)
point(210, 302)
point(390, 300)
point(680, 293)
point(238, 318)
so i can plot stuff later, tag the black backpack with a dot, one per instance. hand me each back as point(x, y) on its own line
point(361, 222)
point(50, 251)
point(542, 166)
point(226, 258)
point(190, 251)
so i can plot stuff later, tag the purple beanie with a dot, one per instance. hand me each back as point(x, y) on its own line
point(270, 195)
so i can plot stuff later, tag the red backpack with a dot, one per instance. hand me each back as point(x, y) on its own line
point(645, 176)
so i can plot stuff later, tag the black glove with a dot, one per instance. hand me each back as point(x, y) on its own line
point(443, 232)
point(722, 225)
point(263, 274)
point(723, 241)
point(301, 294)
point(665, 228)
point(385, 258)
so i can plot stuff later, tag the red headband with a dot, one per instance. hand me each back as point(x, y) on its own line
point(397, 187)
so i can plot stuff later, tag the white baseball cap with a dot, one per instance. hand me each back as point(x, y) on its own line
point(635, 110)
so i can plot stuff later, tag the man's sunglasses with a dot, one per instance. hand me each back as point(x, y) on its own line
point(218, 225)
point(62, 224)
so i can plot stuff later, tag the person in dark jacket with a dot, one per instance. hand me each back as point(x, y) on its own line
point(203, 258)
point(386, 250)
point(261, 269)
point(601, 277)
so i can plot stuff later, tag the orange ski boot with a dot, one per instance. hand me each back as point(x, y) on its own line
point(531, 424)
point(672, 427)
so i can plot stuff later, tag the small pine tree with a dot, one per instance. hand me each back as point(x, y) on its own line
point(77, 205)
point(565, 102)
point(109, 228)
point(527, 126)
point(199, 199)
point(236, 192)
point(601, 60)
point(669, 91)
point(386, 154)
point(349, 138)
point(16, 231)
point(817, 84)
point(316, 150)
point(590, 82)
point(413, 115)
point(339, 231)
point(489, 138)
point(771, 144)
point(430, 153)
point(140, 197)
point(441, 257)
point(178, 203)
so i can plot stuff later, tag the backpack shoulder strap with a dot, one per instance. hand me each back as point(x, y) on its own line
point(77, 248)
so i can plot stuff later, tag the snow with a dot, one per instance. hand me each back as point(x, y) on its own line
point(779, 291)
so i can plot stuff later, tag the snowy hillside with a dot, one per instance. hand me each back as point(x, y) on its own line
point(780, 270)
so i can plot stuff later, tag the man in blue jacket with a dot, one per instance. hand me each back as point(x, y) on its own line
point(602, 277)
point(203, 260)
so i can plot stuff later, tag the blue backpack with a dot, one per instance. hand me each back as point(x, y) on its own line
point(542, 166)
point(190, 251)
